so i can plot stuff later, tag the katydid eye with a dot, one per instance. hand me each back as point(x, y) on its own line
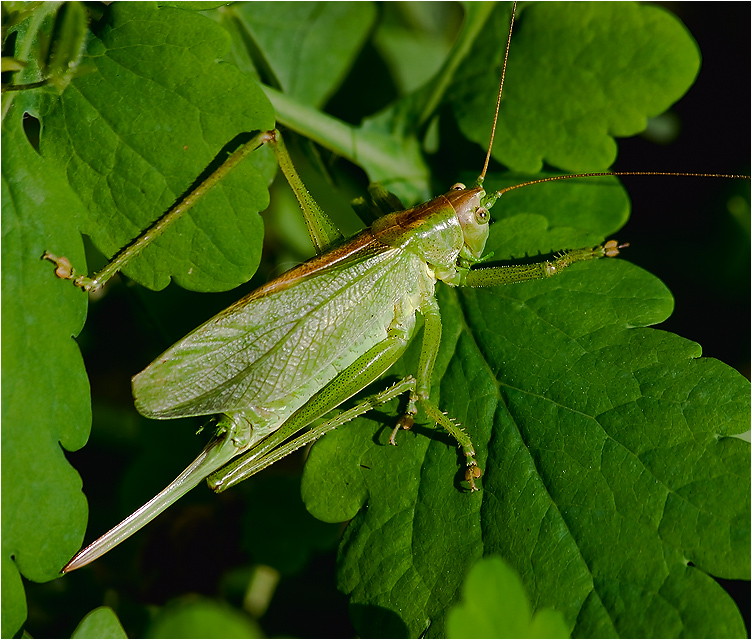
point(481, 215)
point(458, 186)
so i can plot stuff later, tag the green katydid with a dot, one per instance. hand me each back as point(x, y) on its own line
point(445, 238)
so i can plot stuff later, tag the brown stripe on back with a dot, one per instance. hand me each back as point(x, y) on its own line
point(363, 243)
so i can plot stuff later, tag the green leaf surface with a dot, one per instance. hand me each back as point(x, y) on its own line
point(414, 56)
point(386, 144)
point(494, 605)
point(611, 66)
point(595, 435)
point(574, 213)
point(45, 406)
point(152, 113)
point(285, 37)
point(600, 481)
point(100, 623)
point(195, 617)
point(307, 47)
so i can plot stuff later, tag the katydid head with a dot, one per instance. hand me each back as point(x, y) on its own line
point(473, 217)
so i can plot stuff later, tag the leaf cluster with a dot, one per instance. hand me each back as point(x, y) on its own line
point(614, 484)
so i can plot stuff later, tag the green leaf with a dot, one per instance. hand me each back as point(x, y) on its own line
point(133, 134)
point(307, 47)
point(541, 220)
point(413, 56)
point(386, 145)
point(611, 66)
point(195, 617)
point(100, 623)
point(601, 483)
point(495, 605)
point(604, 442)
point(599, 479)
point(45, 406)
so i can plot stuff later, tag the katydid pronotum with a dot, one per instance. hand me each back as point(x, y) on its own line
point(445, 239)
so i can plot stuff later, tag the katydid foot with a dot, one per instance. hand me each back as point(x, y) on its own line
point(471, 474)
point(406, 421)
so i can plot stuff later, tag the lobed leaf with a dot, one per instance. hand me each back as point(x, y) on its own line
point(612, 481)
point(100, 623)
point(494, 605)
point(153, 111)
point(45, 391)
point(611, 66)
point(601, 483)
point(578, 416)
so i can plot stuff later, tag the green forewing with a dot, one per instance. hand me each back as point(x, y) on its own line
point(268, 354)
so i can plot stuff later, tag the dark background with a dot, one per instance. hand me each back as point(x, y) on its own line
point(686, 236)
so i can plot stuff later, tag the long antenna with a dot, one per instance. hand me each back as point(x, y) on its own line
point(498, 99)
point(491, 198)
point(501, 192)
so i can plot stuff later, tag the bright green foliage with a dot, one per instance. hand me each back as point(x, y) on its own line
point(606, 461)
point(494, 605)
point(202, 618)
point(297, 46)
point(152, 110)
point(100, 623)
point(387, 146)
point(611, 483)
point(99, 162)
point(45, 401)
point(612, 64)
point(414, 56)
